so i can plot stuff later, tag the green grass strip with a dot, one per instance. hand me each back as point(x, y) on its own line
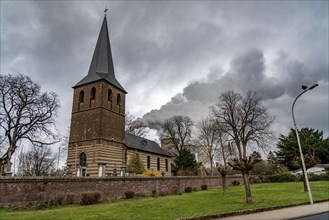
point(201, 203)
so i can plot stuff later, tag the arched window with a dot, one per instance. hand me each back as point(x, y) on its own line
point(81, 96)
point(93, 93)
point(83, 159)
point(109, 95)
point(118, 99)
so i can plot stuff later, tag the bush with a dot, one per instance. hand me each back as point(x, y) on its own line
point(258, 179)
point(282, 177)
point(163, 194)
point(90, 198)
point(70, 198)
point(129, 194)
point(204, 187)
point(151, 173)
point(188, 189)
point(321, 177)
point(235, 183)
point(154, 193)
point(58, 200)
point(175, 191)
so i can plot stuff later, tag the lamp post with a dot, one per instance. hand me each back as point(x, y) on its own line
point(298, 141)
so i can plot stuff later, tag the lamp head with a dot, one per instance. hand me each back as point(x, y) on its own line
point(312, 87)
point(304, 87)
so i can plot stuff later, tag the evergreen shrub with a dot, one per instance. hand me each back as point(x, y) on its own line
point(204, 187)
point(282, 177)
point(70, 198)
point(235, 183)
point(90, 198)
point(188, 189)
point(129, 194)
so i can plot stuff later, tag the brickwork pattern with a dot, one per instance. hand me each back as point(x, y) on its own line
point(18, 192)
point(97, 129)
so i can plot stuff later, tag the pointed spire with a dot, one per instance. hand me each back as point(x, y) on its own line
point(102, 60)
point(101, 66)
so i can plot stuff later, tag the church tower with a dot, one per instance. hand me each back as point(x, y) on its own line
point(97, 135)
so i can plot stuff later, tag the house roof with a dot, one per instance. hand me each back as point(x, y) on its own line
point(143, 144)
point(101, 67)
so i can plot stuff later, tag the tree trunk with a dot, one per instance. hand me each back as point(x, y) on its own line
point(211, 169)
point(304, 182)
point(225, 189)
point(1, 167)
point(247, 187)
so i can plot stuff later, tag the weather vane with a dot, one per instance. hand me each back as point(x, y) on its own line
point(105, 10)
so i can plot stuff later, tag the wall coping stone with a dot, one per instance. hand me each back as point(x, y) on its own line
point(90, 179)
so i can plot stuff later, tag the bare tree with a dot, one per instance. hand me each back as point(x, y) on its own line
point(208, 140)
point(135, 126)
point(225, 152)
point(178, 130)
point(61, 154)
point(247, 122)
point(25, 114)
point(39, 161)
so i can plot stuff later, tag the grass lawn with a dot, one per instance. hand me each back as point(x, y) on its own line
point(211, 201)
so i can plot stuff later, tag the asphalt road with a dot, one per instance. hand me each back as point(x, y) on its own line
point(323, 216)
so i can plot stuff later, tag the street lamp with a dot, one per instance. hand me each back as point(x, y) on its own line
point(298, 141)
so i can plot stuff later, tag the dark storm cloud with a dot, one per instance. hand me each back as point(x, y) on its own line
point(54, 42)
point(180, 53)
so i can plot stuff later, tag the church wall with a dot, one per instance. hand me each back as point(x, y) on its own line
point(110, 155)
point(21, 192)
point(154, 163)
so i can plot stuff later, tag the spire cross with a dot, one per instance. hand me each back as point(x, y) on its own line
point(105, 10)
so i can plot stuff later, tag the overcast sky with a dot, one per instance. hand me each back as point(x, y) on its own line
point(177, 57)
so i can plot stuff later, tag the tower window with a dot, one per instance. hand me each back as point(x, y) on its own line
point(81, 96)
point(166, 164)
point(109, 95)
point(118, 99)
point(83, 159)
point(93, 93)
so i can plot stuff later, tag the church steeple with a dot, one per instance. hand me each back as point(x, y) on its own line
point(101, 67)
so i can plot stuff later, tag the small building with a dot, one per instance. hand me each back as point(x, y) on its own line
point(317, 169)
point(98, 144)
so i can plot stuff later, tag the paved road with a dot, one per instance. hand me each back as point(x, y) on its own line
point(323, 216)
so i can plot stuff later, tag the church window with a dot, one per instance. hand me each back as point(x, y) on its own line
point(166, 164)
point(109, 95)
point(93, 93)
point(83, 159)
point(148, 162)
point(118, 99)
point(81, 96)
point(158, 164)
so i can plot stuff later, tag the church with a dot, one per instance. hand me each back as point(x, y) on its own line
point(98, 143)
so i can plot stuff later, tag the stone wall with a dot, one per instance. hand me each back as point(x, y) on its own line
point(21, 192)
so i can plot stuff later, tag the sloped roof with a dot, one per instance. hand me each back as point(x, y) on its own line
point(101, 67)
point(143, 144)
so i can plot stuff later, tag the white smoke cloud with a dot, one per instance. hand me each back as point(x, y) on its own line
point(247, 71)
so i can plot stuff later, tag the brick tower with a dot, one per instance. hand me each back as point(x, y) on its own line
point(97, 136)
